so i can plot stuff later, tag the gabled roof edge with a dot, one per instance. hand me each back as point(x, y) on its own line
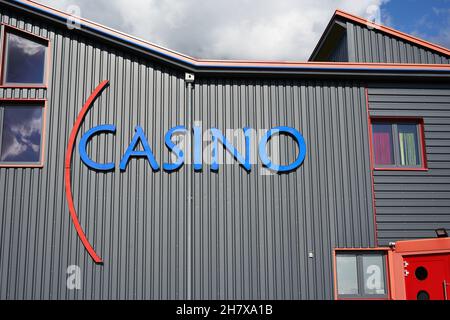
point(208, 64)
point(387, 30)
point(394, 32)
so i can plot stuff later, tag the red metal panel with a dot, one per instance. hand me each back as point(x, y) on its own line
point(426, 276)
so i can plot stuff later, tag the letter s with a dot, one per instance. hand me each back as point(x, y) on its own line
point(175, 149)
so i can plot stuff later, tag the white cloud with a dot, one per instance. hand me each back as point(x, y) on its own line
point(14, 149)
point(27, 129)
point(217, 29)
point(21, 134)
point(26, 46)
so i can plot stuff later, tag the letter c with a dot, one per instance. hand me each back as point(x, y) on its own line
point(106, 128)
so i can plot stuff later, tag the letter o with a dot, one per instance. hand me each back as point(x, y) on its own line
point(290, 132)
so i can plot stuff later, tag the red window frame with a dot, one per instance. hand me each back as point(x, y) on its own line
point(5, 28)
point(421, 139)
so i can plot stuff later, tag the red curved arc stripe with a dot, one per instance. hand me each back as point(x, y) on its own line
point(73, 135)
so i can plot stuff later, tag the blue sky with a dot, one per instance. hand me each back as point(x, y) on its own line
point(254, 29)
point(427, 19)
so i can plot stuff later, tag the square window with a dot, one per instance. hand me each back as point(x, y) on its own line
point(361, 274)
point(21, 134)
point(25, 60)
point(397, 144)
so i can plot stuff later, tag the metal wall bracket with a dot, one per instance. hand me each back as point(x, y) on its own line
point(189, 77)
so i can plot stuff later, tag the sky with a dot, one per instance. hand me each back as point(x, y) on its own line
point(254, 29)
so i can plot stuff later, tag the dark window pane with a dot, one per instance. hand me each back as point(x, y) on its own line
point(347, 274)
point(374, 276)
point(25, 60)
point(382, 144)
point(408, 144)
point(21, 135)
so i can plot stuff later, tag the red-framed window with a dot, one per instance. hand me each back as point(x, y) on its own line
point(25, 59)
point(361, 273)
point(24, 64)
point(22, 132)
point(398, 143)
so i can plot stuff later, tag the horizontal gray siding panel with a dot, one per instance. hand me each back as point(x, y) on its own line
point(410, 187)
point(423, 219)
point(413, 195)
point(417, 178)
point(225, 235)
point(401, 234)
point(415, 220)
point(420, 210)
point(407, 99)
point(411, 204)
point(369, 45)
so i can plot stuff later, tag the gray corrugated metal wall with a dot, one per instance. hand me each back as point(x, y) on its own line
point(340, 52)
point(413, 204)
point(183, 235)
point(369, 45)
point(253, 232)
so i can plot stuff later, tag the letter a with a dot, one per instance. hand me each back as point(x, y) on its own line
point(132, 153)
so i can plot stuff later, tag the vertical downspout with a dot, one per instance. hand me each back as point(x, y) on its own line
point(189, 78)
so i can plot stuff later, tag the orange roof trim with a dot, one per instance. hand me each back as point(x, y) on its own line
point(211, 63)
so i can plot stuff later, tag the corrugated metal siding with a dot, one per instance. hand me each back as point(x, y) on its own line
point(369, 45)
point(259, 229)
point(412, 205)
point(340, 52)
point(139, 233)
point(184, 235)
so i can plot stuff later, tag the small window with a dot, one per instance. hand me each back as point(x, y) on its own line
point(21, 134)
point(361, 275)
point(397, 144)
point(24, 60)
